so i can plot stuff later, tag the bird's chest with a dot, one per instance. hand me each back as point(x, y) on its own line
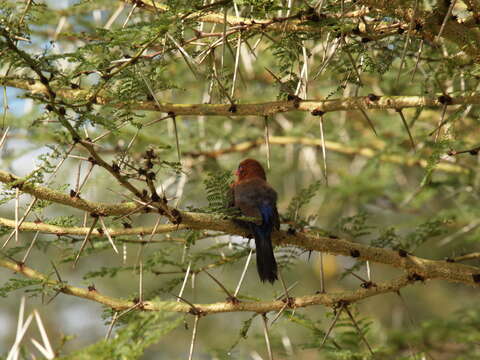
point(250, 196)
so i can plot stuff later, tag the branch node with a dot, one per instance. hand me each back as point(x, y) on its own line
point(177, 216)
point(233, 300)
point(354, 253)
point(289, 301)
point(445, 99)
point(296, 100)
point(317, 112)
point(368, 285)
point(417, 277)
point(402, 253)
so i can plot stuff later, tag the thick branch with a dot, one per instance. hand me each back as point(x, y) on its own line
point(61, 198)
point(300, 22)
point(82, 231)
point(260, 109)
point(221, 307)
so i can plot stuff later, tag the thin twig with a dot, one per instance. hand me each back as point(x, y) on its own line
point(267, 338)
point(370, 122)
point(352, 61)
point(219, 284)
point(420, 48)
point(77, 181)
point(110, 327)
point(17, 206)
point(279, 313)
point(140, 282)
point(440, 123)
point(87, 237)
point(243, 273)
point(105, 230)
point(400, 112)
point(445, 19)
point(20, 222)
point(194, 335)
point(84, 181)
point(177, 142)
point(30, 247)
point(4, 136)
point(409, 32)
point(130, 14)
point(322, 274)
point(359, 330)
point(237, 63)
point(267, 140)
point(184, 281)
point(172, 115)
point(369, 275)
point(332, 325)
point(285, 289)
point(324, 152)
point(49, 353)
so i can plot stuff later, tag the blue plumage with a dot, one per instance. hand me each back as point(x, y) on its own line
point(266, 264)
point(256, 198)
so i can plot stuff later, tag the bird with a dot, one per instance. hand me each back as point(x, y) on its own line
point(255, 198)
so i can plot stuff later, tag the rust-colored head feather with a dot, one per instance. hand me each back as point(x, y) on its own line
point(250, 168)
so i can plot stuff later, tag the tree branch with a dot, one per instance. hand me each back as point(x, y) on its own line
point(258, 109)
point(82, 231)
point(329, 300)
point(44, 193)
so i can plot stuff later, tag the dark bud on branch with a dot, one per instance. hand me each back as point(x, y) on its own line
point(354, 253)
point(115, 167)
point(445, 100)
point(416, 277)
point(402, 253)
point(317, 112)
point(155, 197)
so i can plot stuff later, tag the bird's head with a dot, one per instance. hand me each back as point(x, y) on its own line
point(250, 168)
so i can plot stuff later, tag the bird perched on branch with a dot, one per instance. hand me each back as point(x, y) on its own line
point(256, 198)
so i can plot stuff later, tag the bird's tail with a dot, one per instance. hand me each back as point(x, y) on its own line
point(266, 264)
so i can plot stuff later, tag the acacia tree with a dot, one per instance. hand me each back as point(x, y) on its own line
point(364, 113)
